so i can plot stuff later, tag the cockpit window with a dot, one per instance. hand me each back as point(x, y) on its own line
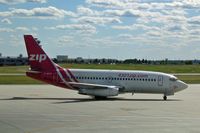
point(172, 78)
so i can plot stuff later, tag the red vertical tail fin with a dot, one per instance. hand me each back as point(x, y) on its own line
point(38, 59)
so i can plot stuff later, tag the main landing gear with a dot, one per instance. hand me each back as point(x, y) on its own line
point(165, 98)
point(100, 98)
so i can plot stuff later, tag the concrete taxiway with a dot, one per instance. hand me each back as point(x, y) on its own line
point(48, 109)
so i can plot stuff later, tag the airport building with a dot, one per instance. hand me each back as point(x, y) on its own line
point(62, 58)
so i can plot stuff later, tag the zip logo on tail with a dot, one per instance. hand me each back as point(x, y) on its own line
point(37, 57)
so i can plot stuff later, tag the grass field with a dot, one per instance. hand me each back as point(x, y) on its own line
point(194, 79)
point(13, 79)
point(159, 68)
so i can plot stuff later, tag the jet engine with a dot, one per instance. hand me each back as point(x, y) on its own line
point(104, 92)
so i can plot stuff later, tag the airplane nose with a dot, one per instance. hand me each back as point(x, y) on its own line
point(181, 85)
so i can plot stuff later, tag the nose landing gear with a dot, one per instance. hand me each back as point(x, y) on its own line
point(165, 98)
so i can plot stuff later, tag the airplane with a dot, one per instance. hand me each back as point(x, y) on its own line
point(98, 83)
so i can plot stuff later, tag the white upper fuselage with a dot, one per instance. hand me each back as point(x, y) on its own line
point(131, 81)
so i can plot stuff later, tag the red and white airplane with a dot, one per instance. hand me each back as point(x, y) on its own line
point(98, 83)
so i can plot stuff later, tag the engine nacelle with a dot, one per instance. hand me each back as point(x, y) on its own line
point(112, 91)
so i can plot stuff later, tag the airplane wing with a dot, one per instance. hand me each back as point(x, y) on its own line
point(96, 89)
point(92, 86)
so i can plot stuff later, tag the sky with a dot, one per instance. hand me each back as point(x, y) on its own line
point(120, 29)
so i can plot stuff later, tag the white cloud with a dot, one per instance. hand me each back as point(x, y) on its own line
point(195, 32)
point(135, 27)
point(22, 28)
point(34, 28)
point(194, 20)
point(6, 30)
point(176, 28)
point(154, 33)
point(104, 41)
point(158, 23)
point(97, 20)
point(81, 28)
point(126, 13)
point(6, 21)
point(152, 18)
point(43, 13)
point(87, 11)
point(84, 11)
point(136, 11)
point(190, 3)
point(104, 2)
point(21, 1)
point(65, 40)
point(15, 40)
point(141, 4)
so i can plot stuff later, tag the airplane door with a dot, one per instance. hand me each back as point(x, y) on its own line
point(160, 80)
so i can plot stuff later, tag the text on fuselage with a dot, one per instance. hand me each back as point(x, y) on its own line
point(131, 75)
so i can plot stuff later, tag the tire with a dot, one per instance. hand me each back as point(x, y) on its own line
point(100, 97)
point(165, 98)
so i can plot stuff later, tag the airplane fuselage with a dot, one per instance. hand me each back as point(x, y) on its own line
point(131, 81)
point(128, 81)
point(98, 83)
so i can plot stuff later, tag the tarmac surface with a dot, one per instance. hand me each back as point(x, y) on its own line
point(48, 109)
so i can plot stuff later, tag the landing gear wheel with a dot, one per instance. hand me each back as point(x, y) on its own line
point(165, 98)
point(100, 98)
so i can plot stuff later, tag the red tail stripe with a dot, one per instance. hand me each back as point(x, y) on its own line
point(62, 71)
point(64, 75)
point(70, 73)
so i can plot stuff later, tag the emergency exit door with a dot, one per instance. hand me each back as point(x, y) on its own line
point(160, 80)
